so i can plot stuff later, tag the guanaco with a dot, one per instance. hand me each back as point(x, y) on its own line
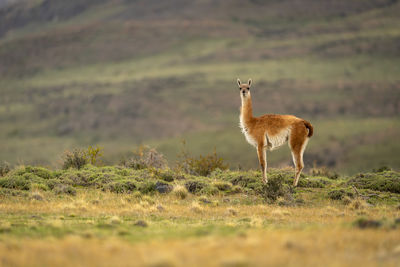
point(271, 131)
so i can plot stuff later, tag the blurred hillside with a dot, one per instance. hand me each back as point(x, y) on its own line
point(123, 73)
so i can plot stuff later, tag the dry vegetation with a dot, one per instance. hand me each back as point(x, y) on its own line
point(149, 215)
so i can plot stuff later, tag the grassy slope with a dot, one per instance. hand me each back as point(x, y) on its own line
point(58, 227)
point(94, 78)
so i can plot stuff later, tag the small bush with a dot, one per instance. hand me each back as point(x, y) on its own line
point(314, 182)
point(120, 187)
point(4, 168)
point(39, 171)
point(274, 189)
point(15, 182)
point(194, 186)
point(201, 166)
point(145, 157)
point(64, 189)
point(382, 169)
point(180, 192)
point(340, 194)
point(223, 186)
point(75, 159)
point(147, 187)
point(93, 154)
point(163, 187)
point(363, 223)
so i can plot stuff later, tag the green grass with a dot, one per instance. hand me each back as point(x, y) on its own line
point(103, 77)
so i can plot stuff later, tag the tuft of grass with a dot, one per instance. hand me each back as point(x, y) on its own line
point(196, 208)
point(180, 191)
point(115, 220)
point(358, 204)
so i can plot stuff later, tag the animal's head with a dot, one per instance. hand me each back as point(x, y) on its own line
point(244, 88)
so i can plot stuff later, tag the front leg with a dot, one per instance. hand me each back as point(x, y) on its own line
point(263, 162)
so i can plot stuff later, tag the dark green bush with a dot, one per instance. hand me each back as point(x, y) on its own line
point(223, 186)
point(64, 189)
point(147, 187)
point(194, 186)
point(364, 223)
point(339, 194)
point(275, 188)
point(15, 182)
point(163, 187)
point(386, 181)
point(314, 182)
point(120, 186)
point(39, 171)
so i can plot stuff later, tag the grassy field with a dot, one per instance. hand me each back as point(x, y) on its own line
point(124, 74)
point(115, 215)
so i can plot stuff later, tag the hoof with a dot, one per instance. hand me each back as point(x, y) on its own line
point(265, 181)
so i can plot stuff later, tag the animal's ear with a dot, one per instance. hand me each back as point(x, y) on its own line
point(249, 82)
point(239, 82)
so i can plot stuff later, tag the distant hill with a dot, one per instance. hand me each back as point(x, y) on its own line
point(122, 73)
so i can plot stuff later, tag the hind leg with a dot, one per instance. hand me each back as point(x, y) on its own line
point(299, 165)
point(298, 143)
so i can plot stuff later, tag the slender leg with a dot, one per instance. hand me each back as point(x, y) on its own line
point(263, 163)
point(298, 164)
point(297, 143)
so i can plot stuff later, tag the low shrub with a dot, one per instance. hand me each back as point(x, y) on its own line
point(340, 194)
point(64, 189)
point(147, 187)
point(201, 166)
point(223, 186)
point(163, 187)
point(4, 168)
point(15, 182)
point(93, 154)
point(180, 191)
point(274, 189)
point(145, 157)
point(364, 223)
point(385, 181)
point(314, 182)
point(75, 159)
point(125, 186)
point(194, 186)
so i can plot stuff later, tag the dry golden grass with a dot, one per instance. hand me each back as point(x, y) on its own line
point(328, 247)
point(96, 228)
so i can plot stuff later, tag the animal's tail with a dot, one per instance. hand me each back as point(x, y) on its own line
point(309, 127)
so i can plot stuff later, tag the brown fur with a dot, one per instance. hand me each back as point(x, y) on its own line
point(271, 131)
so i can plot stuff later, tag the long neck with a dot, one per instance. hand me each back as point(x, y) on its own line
point(246, 111)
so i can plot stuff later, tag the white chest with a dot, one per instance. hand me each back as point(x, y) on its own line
point(246, 133)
